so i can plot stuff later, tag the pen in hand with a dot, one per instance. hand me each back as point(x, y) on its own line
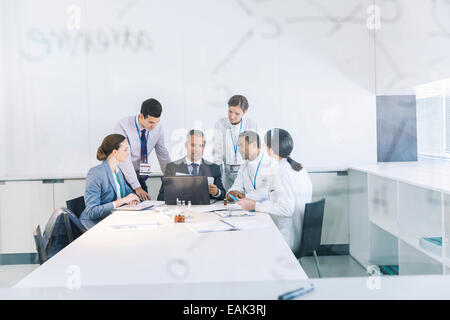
point(233, 197)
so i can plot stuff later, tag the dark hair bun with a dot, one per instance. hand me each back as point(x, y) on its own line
point(101, 155)
point(110, 143)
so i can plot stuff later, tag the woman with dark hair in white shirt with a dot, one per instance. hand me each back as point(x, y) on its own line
point(289, 189)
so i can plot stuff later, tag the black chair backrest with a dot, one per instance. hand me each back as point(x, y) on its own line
point(312, 228)
point(39, 244)
point(76, 205)
point(62, 228)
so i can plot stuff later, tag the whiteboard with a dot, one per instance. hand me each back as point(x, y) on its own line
point(66, 88)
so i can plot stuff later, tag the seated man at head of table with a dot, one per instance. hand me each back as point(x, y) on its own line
point(194, 164)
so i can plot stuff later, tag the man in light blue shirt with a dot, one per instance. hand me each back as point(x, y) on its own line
point(144, 133)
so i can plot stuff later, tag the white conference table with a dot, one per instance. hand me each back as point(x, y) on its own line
point(422, 287)
point(171, 253)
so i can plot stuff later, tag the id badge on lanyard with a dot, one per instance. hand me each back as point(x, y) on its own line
point(144, 169)
point(234, 168)
point(144, 166)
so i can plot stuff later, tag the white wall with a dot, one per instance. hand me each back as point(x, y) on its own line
point(413, 45)
point(2, 96)
point(299, 68)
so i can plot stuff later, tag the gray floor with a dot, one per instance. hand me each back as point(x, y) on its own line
point(333, 267)
point(11, 274)
point(330, 267)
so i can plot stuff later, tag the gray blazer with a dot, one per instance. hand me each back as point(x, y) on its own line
point(100, 194)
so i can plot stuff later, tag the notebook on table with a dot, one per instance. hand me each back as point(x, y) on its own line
point(144, 205)
point(432, 245)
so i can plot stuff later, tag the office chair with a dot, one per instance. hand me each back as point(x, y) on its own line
point(312, 231)
point(76, 205)
point(62, 228)
point(39, 244)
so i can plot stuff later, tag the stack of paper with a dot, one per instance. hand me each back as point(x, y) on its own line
point(216, 207)
point(232, 207)
point(148, 204)
point(234, 213)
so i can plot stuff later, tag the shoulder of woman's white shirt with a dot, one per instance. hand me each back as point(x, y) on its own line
point(286, 172)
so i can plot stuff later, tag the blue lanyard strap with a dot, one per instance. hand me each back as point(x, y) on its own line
point(235, 145)
point(144, 149)
point(256, 174)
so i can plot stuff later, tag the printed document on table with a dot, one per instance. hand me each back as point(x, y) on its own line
point(246, 223)
point(134, 226)
point(235, 213)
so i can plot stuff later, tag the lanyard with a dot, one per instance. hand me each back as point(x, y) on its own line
point(256, 174)
point(235, 145)
point(118, 183)
point(144, 150)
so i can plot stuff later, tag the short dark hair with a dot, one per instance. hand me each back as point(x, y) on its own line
point(195, 132)
point(238, 101)
point(151, 107)
point(250, 137)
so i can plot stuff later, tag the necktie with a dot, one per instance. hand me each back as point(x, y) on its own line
point(195, 169)
point(143, 146)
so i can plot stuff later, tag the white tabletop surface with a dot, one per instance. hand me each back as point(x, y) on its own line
point(171, 253)
point(421, 287)
point(426, 173)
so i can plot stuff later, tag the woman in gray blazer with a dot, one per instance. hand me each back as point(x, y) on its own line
point(106, 188)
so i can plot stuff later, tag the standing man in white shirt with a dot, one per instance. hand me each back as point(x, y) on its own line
point(254, 175)
point(227, 131)
point(144, 133)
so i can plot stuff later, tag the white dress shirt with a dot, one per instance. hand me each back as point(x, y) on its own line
point(189, 165)
point(225, 149)
point(118, 189)
point(245, 180)
point(289, 191)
